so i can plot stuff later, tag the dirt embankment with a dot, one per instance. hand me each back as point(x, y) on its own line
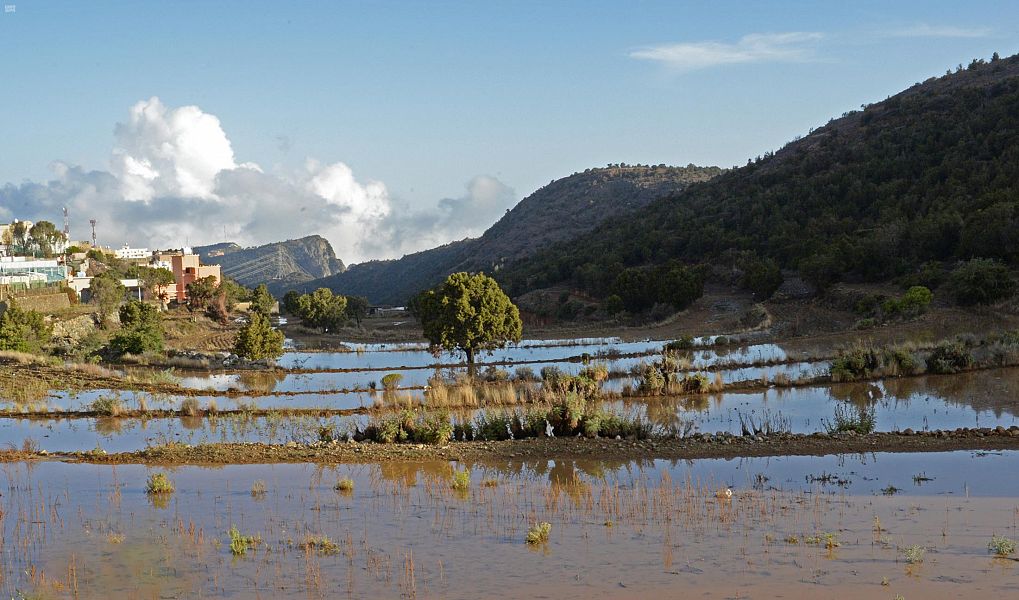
point(694, 447)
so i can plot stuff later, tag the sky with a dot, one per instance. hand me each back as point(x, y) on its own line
point(391, 127)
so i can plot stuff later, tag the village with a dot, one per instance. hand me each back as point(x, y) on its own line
point(36, 259)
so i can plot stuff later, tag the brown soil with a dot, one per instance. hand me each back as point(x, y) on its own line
point(696, 447)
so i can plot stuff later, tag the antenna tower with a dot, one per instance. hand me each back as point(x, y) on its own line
point(67, 225)
point(93, 223)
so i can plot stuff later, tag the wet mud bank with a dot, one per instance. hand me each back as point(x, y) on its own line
point(694, 447)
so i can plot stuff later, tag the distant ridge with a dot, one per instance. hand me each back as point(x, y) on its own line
point(278, 263)
point(559, 211)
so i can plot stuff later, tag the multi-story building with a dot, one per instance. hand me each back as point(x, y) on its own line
point(188, 268)
point(128, 253)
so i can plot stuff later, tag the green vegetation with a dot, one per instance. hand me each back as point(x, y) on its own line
point(262, 301)
point(202, 292)
point(461, 480)
point(672, 284)
point(391, 381)
point(926, 175)
point(949, 357)
point(21, 330)
point(258, 340)
point(320, 309)
point(107, 293)
point(851, 418)
point(159, 484)
point(468, 314)
point(538, 533)
point(1001, 546)
point(239, 544)
point(141, 330)
point(981, 281)
point(107, 405)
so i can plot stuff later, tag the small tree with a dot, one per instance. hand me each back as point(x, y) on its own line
point(469, 313)
point(357, 308)
point(292, 302)
point(262, 301)
point(155, 279)
point(141, 330)
point(201, 292)
point(258, 340)
point(107, 294)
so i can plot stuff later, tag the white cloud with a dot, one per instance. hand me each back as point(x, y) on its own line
point(405, 231)
point(753, 48)
point(173, 180)
point(939, 31)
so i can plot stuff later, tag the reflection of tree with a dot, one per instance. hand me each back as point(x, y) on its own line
point(159, 500)
point(261, 380)
point(109, 425)
point(564, 478)
point(860, 394)
point(192, 423)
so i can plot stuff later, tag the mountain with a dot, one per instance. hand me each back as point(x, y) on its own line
point(929, 174)
point(559, 211)
point(279, 263)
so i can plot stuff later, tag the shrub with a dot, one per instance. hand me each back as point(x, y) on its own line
point(525, 374)
point(980, 281)
point(538, 533)
point(678, 345)
point(107, 406)
point(391, 381)
point(239, 544)
point(914, 554)
point(22, 331)
point(159, 483)
point(949, 357)
point(461, 480)
point(345, 485)
point(141, 330)
point(652, 381)
point(1001, 546)
point(614, 305)
point(855, 363)
point(258, 340)
point(860, 420)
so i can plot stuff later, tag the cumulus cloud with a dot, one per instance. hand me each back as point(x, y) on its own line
point(939, 31)
point(485, 199)
point(173, 180)
point(793, 46)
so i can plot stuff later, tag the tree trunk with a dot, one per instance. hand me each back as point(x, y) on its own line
point(470, 362)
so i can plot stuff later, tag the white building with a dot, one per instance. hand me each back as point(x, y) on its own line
point(128, 253)
point(18, 265)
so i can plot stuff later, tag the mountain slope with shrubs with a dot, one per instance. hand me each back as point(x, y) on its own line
point(909, 189)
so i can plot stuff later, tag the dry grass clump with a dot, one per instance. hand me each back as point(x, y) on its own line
point(345, 485)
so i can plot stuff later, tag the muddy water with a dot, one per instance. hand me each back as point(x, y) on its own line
point(618, 530)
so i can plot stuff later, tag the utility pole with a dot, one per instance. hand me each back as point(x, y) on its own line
point(93, 223)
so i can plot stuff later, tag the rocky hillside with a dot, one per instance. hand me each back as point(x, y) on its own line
point(559, 211)
point(279, 263)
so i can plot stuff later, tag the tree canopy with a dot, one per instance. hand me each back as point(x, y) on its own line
point(469, 314)
point(258, 340)
point(322, 310)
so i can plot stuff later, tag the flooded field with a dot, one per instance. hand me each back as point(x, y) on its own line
point(792, 527)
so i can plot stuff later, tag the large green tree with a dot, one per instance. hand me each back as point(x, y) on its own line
point(201, 292)
point(321, 309)
point(258, 340)
point(469, 314)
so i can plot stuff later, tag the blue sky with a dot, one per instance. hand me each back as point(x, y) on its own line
point(428, 97)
